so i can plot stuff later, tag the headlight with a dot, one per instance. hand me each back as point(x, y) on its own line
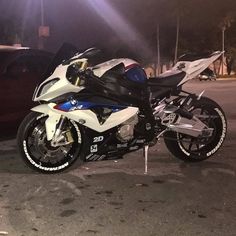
point(45, 87)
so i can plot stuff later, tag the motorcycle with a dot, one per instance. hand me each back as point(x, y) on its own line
point(207, 74)
point(101, 112)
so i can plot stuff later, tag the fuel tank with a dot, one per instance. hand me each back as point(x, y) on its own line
point(132, 69)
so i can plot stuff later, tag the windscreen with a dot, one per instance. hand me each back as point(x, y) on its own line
point(64, 53)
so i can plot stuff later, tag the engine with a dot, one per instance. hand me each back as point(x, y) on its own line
point(126, 129)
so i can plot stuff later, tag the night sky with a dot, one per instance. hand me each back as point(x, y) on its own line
point(111, 23)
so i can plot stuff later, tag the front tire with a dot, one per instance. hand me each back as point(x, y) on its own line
point(38, 153)
point(191, 149)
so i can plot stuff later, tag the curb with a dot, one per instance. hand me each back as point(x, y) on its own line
point(226, 79)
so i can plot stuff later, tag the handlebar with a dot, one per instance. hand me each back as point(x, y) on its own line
point(90, 75)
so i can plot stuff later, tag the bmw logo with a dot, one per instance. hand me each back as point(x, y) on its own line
point(73, 102)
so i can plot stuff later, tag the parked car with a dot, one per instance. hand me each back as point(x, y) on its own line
point(207, 74)
point(21, 69)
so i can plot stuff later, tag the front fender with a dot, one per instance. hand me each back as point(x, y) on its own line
point(52, 120)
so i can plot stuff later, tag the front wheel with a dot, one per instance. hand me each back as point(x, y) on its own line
point(192, 149)
point(38, 153)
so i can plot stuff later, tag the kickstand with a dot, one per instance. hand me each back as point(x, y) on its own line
point(145, 154)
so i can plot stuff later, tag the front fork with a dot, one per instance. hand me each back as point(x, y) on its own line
point(62, 135)
point(54, 125)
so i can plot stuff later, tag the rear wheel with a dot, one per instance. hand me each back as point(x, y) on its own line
point(194, 149)
point(38, 153)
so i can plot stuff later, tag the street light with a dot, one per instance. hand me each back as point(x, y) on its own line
point(43, 30)
point(42, 12)
point(223, 48)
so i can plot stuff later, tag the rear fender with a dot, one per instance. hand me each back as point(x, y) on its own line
point(52, 120)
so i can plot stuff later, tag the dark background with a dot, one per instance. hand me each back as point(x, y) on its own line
point(122, 27)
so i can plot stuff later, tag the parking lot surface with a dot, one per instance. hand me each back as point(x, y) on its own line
point(116, 198)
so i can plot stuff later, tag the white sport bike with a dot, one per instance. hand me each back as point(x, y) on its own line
point(105, 111)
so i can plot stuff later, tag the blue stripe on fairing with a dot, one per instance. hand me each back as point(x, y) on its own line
point(68, 106)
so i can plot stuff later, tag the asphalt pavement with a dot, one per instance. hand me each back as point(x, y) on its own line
point(117, 198)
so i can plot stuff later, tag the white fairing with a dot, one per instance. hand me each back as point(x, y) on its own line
point(100, 69)
point(87, 117)
point(62, 86)
point(194, 68)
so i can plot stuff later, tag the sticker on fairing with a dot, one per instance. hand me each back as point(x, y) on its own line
point(94, 148)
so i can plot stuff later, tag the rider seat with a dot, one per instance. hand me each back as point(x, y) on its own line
point(168, 79)
point(165, 84)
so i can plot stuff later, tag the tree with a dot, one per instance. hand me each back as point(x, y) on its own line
point(10, 31)
point(225, 24)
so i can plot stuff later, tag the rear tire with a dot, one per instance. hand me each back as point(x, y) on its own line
point(38, 153)
point(182, 146)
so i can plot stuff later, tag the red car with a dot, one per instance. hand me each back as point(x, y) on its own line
point(21, 69)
